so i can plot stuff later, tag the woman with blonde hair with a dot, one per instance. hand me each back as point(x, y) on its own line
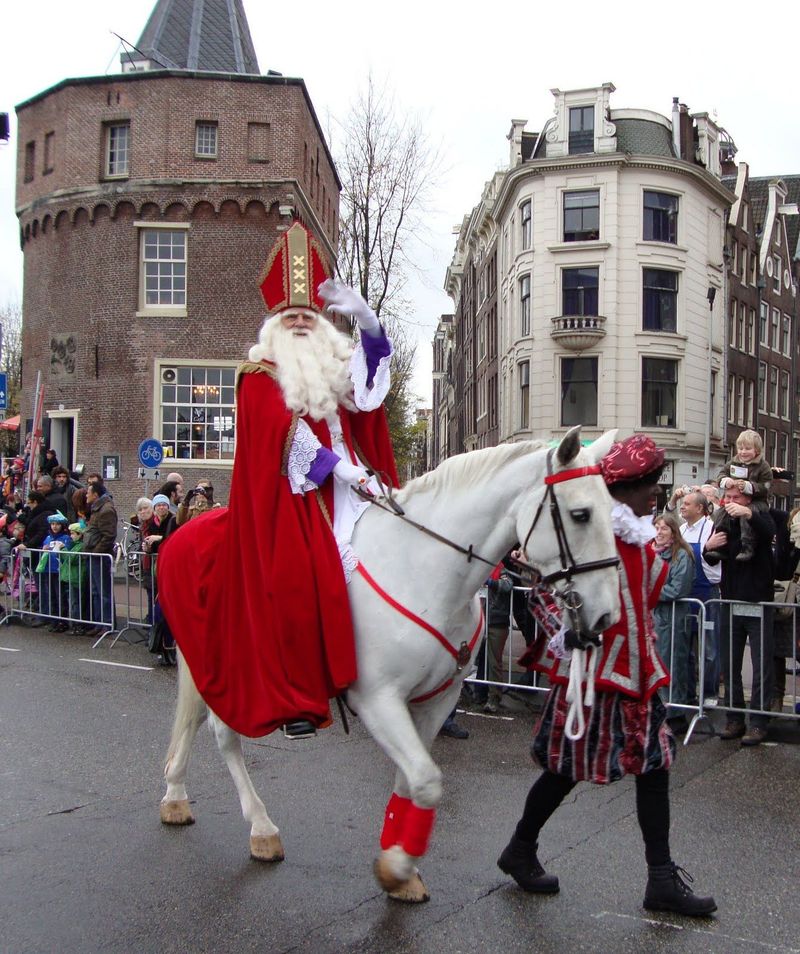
point(670, 617)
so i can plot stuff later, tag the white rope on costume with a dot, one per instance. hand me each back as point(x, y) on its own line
point(583, 665)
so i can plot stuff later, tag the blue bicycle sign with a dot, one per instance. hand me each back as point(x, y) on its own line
point(151, 453)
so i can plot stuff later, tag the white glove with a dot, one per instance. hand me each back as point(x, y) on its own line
point(342, 300)
point(350, 474)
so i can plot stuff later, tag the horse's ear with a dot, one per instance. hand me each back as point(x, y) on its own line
point(570, 446)
point(599, 448)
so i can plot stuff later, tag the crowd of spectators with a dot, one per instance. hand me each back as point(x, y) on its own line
point(742, 550)
point(58, 542)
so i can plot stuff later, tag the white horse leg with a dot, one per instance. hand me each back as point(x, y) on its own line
point(190, 713)
point(265, 841)
point(389, 722)
point(428, 718)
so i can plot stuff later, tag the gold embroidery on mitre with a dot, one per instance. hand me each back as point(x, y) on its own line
point(297, 242)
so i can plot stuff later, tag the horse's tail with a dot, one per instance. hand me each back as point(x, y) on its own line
point(189, 709)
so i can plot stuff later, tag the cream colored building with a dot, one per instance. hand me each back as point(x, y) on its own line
point(609, 229)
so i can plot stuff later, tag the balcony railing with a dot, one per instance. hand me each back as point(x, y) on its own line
point(578, 332)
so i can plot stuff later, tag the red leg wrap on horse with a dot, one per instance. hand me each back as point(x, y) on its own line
point(417, 830)
point(393, 820)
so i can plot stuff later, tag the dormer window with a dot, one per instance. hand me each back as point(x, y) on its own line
point(581, 129)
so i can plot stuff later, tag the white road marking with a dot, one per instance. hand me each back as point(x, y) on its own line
point(694, 930)
point(8, 649)
point(484, 715)
point(102, 662)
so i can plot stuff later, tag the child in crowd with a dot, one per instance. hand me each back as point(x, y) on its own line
point(52, 595)
point(752, 475)
point(73, 576)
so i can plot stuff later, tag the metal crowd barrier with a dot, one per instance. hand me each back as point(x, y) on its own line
point(748, 629)
point(697, 637)
point(62, 588)
point(140, 591)
point(497, 669)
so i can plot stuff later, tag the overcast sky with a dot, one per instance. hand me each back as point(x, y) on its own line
point(464, 74)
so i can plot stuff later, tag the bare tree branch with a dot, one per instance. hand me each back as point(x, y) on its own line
point(388, 169)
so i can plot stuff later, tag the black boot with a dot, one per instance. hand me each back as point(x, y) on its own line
point(668, 891)
point(519, 860)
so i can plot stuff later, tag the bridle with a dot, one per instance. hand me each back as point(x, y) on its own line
point(569, 567)
point(567, 594)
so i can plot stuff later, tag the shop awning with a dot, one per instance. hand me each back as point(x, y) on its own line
point(10, 423)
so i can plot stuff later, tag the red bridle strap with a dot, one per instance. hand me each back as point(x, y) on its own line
point(423, 625)
point(563, 475)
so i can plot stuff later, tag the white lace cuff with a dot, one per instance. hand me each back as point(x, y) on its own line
point(368, 399)
point(302, 454)
point(349, 560)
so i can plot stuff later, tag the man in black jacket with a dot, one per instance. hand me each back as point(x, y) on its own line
point(745, 582)
point(35, 518)
point(52, 495)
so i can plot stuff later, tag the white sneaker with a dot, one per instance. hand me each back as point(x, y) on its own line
point(710, 703)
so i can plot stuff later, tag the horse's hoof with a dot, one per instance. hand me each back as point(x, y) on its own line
point(385, 874)
point(412, 891)
point(176, 813)
point(266, 847)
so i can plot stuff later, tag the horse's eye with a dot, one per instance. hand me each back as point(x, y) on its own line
point(581, 514)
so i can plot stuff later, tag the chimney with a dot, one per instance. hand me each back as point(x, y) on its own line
point(686, 134)
point(676, 126)
point(515, 138)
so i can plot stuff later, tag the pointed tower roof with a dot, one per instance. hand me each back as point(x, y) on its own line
point(205, 35)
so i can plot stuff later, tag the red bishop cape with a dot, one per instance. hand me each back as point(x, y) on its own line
point(255, 594)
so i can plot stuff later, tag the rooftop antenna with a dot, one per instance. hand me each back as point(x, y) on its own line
point(130, 46)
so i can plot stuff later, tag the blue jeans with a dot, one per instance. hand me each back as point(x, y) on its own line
point(735, 632)
point(712, 669)
point(101, 587)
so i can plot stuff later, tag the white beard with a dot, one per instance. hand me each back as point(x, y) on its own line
point(313, 367)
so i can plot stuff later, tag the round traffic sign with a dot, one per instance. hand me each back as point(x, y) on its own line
point(151, 453)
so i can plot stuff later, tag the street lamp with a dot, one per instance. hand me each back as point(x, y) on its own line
point(710, 295)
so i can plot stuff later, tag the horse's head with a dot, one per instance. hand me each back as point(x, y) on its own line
point(566, 532)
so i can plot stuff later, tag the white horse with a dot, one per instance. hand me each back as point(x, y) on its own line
point(419, 610)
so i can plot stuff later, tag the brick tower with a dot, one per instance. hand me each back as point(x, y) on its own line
point(148, 202)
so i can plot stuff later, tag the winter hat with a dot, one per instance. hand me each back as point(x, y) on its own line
point(58, 517)
point(160, 498)
point(77, 528)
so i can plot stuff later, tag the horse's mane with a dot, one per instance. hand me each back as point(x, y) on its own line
point(464, 469)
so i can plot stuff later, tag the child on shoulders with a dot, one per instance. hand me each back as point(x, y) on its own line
point(753, 476)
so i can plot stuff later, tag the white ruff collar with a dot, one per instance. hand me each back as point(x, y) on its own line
point(630, 528)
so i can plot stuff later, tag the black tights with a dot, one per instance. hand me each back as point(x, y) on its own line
point(652, 810)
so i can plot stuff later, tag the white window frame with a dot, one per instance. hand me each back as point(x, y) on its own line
point(524, 389)
point(525, 305)
point(178, 310)
point(163, 365)
point(731, 398)
point(119, 168)
point(784, 402)
point(526, 224)
point(762, 391)
point(202, 148)
point(677, 384)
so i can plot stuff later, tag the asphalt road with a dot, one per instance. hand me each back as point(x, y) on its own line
point(86, 866)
